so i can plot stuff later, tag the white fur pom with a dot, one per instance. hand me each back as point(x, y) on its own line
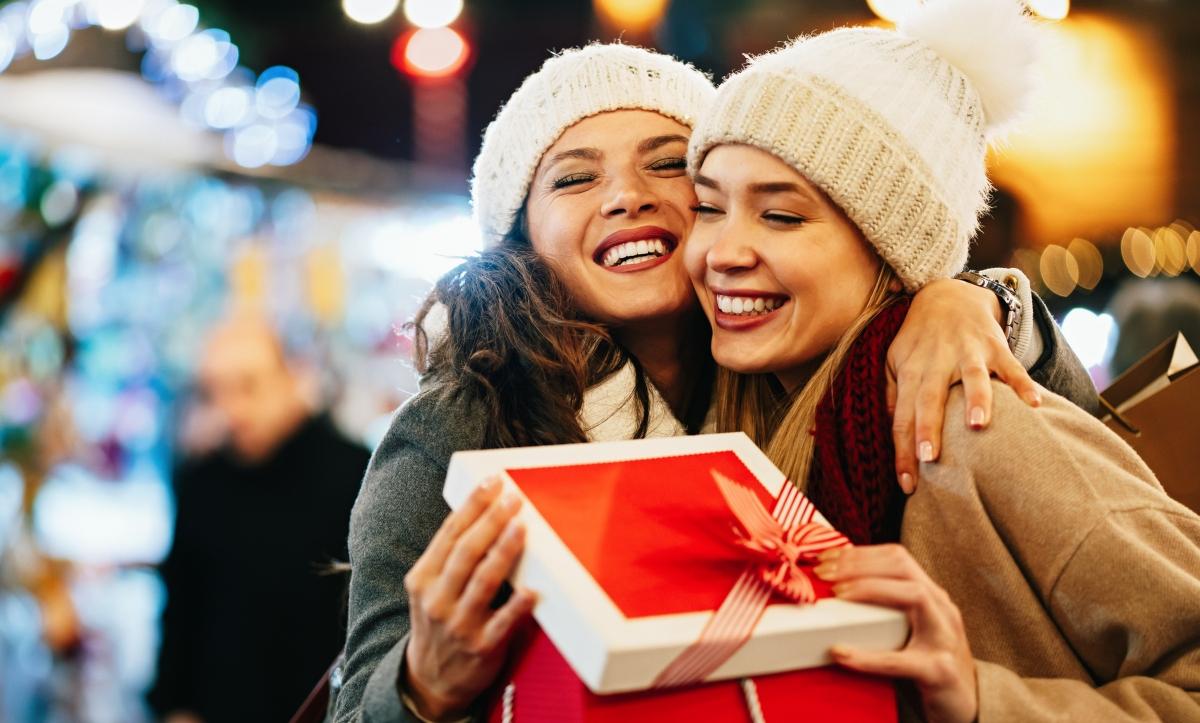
point(992, 42)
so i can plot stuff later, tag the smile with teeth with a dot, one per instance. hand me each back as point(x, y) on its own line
point(748, 306)
point(634, 252)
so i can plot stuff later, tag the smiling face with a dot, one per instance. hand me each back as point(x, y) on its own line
point(780, 270)
point(609, 208)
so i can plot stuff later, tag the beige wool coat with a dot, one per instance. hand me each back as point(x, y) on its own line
point(1078, 579)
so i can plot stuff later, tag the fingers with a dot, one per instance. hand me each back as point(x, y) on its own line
point(1012, 373)
point(924, 667)
point(504, 620)
point(429, 564)
point(473, 545)
point(492, 571)
point(844, 564)
point(930, 413)
point(903, 435)
point(977, 388)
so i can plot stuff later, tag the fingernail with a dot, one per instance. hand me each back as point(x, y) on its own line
point(977, 417)
point(839, 651)
point(510, 500)
point(488, 483)
point(925, 451)
point(826, 570)
point(906, 483)
point(841, 588)
point(831, 555)
point(1034, 398)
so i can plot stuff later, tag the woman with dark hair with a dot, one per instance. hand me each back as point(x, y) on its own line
point(579, 323)
point(1045, 574)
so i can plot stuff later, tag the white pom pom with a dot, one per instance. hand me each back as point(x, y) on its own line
point(992, 42)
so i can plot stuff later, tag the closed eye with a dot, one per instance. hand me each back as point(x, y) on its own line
point(786, 219)
point(669, 164)
point(573, 180)
point(704, 209)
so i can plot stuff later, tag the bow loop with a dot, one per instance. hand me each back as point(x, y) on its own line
point(781, 553)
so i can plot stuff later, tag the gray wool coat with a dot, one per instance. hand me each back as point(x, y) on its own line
point(400, 507)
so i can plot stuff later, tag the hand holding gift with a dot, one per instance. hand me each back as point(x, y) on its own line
point(937, 657)
point(458, 642)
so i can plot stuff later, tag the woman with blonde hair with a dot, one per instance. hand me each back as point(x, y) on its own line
point(1045, 574)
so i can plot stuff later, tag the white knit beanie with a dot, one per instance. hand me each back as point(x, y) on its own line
point(569, 87)
point(892, 125)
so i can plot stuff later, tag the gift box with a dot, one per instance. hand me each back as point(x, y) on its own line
point(655, 564)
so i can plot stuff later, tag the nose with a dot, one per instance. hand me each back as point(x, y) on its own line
point(631, 196)
point(731, 252)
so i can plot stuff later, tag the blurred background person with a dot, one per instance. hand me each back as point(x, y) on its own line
point(251, 619)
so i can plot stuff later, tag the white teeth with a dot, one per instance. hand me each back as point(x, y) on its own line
point(635, 251)
point(749, 306)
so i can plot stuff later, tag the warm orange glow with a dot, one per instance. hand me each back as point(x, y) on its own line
point(1096, 153)
point(1193, 250)
point(633, 15)
point(430, 52)
point(892, 10)
point(1050, 9)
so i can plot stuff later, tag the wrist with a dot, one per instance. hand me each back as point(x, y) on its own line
point(423, 701)
point(1005, 305)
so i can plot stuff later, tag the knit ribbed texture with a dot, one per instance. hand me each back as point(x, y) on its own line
point(571, 86)
point(891, 131)
point(853, 478)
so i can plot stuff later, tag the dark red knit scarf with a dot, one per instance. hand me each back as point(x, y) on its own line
point(853, 478)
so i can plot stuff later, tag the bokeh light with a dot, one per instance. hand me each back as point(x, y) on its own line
point(1089, 335)
point(430, 52)
point(277, 92)
point(634, 15)
point(1059, 270)
point(1050, 9)
point(432, 13)
point(1090, 262)
point(369, 12)
point(118, 14)
point(1170, 251)
point(1137, 250)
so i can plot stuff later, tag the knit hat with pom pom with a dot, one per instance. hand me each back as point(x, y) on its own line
point(893, 125)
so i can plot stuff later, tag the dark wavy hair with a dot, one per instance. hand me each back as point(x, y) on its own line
point(516, 342)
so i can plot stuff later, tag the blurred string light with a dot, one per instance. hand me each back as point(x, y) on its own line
point(632, 15)
point(369, 12)
point(1137, 251)
point(432, 13)
point(430, 52)
point(262, 119)
point(1088, 261)
point(1059, 270)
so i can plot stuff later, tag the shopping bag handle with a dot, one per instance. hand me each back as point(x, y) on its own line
point(1121, 420)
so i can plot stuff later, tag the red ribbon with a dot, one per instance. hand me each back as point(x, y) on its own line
point(781, 544)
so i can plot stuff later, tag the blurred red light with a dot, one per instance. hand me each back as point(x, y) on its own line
point(430, 53)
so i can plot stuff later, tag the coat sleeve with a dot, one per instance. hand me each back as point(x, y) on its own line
point(398, 510)
point(1111, 563)
point(1039, 344)
point(1145, 659)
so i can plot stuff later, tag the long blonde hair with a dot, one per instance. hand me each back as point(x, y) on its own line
point(780, 423)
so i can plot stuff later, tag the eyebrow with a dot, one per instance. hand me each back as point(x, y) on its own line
point(759, 188)
point(587, 154)
point(656, 142)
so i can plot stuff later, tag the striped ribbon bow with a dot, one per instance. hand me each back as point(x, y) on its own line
point(781, 544)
